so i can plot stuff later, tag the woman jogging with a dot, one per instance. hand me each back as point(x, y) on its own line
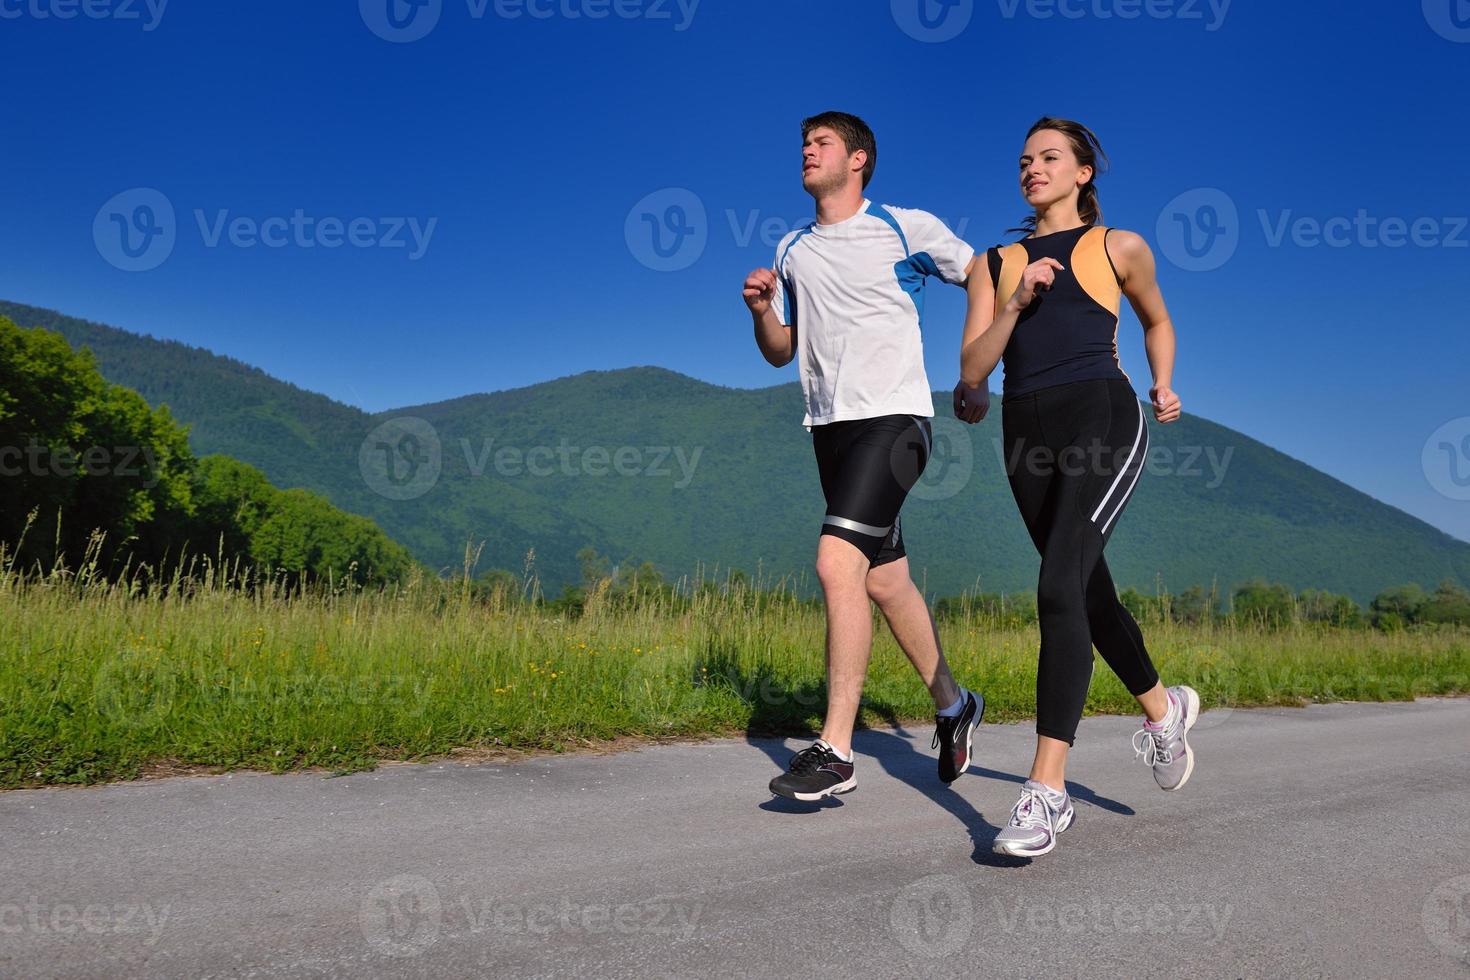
point(1075, 442)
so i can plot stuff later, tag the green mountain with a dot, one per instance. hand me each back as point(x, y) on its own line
point(651, 464)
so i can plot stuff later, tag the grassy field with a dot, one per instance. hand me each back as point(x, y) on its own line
point(103, 680)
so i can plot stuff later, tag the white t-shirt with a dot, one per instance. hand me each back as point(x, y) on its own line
point(853, 291)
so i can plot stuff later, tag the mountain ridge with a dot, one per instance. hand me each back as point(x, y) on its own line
point(751, 495)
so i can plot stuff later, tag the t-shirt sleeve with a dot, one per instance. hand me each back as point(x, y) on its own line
point(927, 234)
point(784, 302)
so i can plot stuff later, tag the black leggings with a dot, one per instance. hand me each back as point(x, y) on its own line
point(1074, 453)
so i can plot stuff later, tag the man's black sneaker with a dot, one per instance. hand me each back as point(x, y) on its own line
point(815, 772)
point(953, 736)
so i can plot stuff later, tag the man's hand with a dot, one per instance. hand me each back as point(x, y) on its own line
point(1166, 403)
point(760, 290)
point(971, 404)
point(1035, 278)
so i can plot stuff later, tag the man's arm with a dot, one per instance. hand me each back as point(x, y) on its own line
point(776, 340)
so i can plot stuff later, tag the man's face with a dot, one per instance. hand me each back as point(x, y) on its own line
point(825, 163)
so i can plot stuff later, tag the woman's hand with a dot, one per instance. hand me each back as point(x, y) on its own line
point(1035, 278)
point(971, 404)
point(1166, 403)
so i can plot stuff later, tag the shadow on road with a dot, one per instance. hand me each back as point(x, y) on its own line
point(781, 711)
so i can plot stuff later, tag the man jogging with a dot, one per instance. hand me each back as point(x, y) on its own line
point(844, 299)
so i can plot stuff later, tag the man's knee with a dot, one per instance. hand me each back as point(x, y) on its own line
point(840, 565)
point(889, 582)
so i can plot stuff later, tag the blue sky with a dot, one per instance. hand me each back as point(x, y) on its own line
point(484, 186)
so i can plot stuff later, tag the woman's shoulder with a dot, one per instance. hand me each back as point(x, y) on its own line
point(1125, 248)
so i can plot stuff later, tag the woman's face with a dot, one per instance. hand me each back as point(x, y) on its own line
point(1049, 170)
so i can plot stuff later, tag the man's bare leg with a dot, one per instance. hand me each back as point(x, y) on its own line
point(842, 570)
point(892, 587)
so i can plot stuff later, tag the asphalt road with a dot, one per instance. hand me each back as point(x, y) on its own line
point(1329, 841)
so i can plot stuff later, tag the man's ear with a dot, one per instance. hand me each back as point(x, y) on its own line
point(861, 156)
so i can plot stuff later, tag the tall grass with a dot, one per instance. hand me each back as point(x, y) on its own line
point(215, 665)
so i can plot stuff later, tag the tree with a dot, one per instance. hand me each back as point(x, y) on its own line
point(1268, 603)
point(1397, 607)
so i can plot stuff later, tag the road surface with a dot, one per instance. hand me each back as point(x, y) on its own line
point(1329, 841)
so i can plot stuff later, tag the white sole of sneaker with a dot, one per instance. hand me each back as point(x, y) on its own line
point(1191, 715)
point(844, 787)
point(1020, 851)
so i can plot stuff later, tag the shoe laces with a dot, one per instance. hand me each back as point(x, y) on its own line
point(944, 725)
point(809, 759)
point(1153, 744)
point(1031, 810)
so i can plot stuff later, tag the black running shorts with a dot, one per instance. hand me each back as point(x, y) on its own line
point(867, 468)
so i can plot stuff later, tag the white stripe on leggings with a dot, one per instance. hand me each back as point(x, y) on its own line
point(1124, 468)
point(1143, 427)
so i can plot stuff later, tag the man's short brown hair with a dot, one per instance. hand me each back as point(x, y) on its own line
point(854, 132)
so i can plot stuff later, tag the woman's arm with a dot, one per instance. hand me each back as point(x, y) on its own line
point(1136, 272)
point(986, 332)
